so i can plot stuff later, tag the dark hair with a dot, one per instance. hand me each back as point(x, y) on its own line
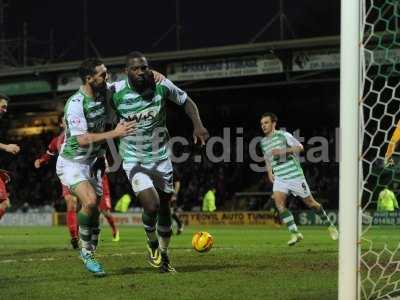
point(132, 55)
point(88, 68)
point(5, 97)
point(272, 116)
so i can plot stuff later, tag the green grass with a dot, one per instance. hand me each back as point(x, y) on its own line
point(246, 262)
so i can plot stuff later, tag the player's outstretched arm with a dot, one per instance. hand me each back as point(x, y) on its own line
point(122, 129)
point(10, 148)
point(199, 131)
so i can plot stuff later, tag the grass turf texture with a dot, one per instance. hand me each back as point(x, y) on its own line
point(245, 263)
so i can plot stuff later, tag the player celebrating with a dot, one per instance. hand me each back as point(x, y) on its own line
point(70, 200)
point(81, 154)
point(10, 148)
point(145, 157)
point(286, 174)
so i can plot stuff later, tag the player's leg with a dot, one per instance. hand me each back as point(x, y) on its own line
point(72, 220)
point(89, 225)
point(164, 231)
point(150, 202)
point(143, 188)
point(4, 201)
point(105, 208)
point(163, 181)
point(280, 191)
point(179, 223)
point(318, 208)
point(144, 180)
point(77, 177)
point(287, 217)
point(110, 220)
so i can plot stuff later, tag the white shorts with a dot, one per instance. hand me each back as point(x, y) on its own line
point(297, 187)
point(143, 176)
point(71, 173)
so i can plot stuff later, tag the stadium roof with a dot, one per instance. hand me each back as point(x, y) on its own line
point(117, 27)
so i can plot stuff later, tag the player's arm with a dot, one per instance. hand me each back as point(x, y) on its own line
point(77, 126)
point(50, 153)
point(199, 131)
point(392, 144)
point(10, 148)
point(180, 97)
point(177, 187)
point(122, 129)
point(43, 159)
point(294, 146)
point(270, 174)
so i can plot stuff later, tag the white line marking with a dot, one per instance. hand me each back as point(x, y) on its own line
point(9, 261)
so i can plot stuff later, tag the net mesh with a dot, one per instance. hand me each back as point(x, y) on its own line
point(380, 112)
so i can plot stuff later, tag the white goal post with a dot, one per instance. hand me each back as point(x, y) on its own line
point(349, 150)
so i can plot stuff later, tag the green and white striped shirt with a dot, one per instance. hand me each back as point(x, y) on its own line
point(82, 114)
point(149, 144)
point(286, 166)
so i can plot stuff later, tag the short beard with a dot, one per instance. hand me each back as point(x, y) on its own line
point(146, 87)
point(139, 85)
point(99, 90)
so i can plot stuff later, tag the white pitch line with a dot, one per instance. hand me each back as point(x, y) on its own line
point(7, 261)
point(30, 259)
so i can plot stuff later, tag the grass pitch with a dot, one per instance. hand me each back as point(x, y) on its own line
point(246, 262)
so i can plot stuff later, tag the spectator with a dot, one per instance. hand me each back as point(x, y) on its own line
point(209, 201)
point(387, 201)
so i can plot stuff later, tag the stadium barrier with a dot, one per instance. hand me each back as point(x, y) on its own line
point(308, 217)
point(302, 218)
point(230, 218)
point(27, 219)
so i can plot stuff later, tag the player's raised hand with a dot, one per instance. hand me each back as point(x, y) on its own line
point(37, 163)
point(12, 148)
point(201, 134)
point(125, 128)
point(158, 77)
point(388, 162)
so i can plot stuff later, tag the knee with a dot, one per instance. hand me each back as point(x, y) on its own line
point(152, 208)
point(71, 203)
point(280, 204)
point(91, 202)
point(150, 200)
point(311, 203)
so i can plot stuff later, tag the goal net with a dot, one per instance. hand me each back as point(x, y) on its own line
point(379, 256)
